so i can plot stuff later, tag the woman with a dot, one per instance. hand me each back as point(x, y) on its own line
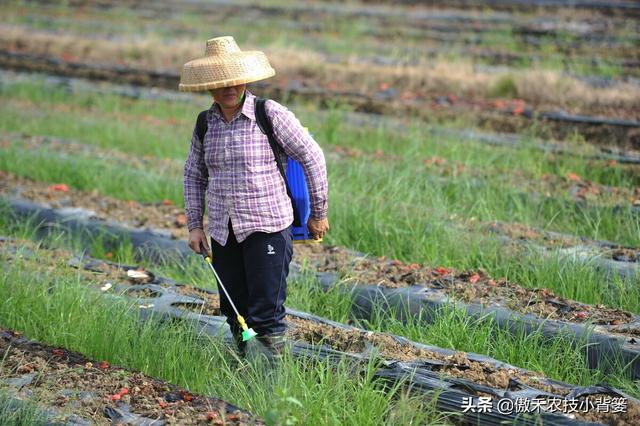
point(250, 214)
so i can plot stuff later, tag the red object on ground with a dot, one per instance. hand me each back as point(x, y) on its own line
point(104, 365)
point(59, 187)
point(474, 278)
point(68, 57)
point(167, 202)
point(58, 352)
point(186, 396)
point(441, 270)
point(581, 315)
point(518, 109)
point(181, 219)
point(574, 177)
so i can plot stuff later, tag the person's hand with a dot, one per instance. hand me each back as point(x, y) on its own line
point(196, 238)
point(318, 227)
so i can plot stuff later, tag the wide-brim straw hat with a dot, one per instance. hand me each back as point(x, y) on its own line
point(224, 65)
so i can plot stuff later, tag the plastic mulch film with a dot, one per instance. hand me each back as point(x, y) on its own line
point(605, 349)
point(152, 244)
point(68, 389)
point(460, 380)
point(610, 258)
point(164, 297)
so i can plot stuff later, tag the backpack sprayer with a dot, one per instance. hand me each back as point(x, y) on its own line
point(294, 178)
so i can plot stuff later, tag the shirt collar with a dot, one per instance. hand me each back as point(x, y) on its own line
point(248, 107)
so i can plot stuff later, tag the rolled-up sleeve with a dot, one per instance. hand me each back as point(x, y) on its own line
point(299, 145)
point(195, 184)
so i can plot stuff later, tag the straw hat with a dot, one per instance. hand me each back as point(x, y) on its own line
point(224, 65)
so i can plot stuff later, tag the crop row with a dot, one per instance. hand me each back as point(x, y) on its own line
point(492, 43)
point(427, 288)
point(418, 16)
point(424, 367)
point(65, 386)
point(612, 258)
point(570, 189)
point(426, 78)
point(502, 116)
point(164, 174)
point(80, 87)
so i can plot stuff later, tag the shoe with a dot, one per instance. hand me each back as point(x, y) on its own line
point(273, 343)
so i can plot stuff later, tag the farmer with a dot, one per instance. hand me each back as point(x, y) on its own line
point(250, 213)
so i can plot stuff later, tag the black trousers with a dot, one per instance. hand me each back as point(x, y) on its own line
point(254, 272)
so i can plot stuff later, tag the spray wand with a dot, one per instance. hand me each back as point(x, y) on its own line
point(247, 333)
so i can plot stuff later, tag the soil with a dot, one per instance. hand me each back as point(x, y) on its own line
point(162, 215)
point(457, 365)
point(468, 286)
point(143, 293)
point(211, 305)
point(74, 384)
point(625, 255)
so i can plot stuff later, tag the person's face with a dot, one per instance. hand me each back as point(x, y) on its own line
point(228, 97)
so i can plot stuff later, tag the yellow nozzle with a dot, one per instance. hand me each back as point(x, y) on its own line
point(242, 323)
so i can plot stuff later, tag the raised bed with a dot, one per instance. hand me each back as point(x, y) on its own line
point(460, 378)
point(572, 190)
point(612, 258)
point(71, 389)
point(628, 7)
point(604, 255)
point(386, 14)
point(414, 291)
point(508, 118)
point(420, 292)
point(511, 140)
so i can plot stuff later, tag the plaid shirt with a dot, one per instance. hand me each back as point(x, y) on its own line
point(236, 169)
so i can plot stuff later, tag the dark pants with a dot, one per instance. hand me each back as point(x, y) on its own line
point(254, 272)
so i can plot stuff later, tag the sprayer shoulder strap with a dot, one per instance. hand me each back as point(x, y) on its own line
point(201, 125)
point(265, 125)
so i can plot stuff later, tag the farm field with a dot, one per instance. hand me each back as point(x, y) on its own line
point(484, 170)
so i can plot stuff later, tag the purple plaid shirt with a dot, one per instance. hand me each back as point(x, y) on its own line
point(236, 169)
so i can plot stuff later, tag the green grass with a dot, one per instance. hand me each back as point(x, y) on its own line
point(452, 328)
point(88, 173)
point(415, 227)
point(14, 412)
point(54, 308)
point(146, 127)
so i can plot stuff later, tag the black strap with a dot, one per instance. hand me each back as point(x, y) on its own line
point(201, 125)
point(265, 125)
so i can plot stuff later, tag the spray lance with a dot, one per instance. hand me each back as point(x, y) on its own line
point(247, 333)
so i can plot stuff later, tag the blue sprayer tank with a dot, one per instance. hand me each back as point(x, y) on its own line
point(300, 192)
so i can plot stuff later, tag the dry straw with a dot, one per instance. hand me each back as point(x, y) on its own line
point(224, 65)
